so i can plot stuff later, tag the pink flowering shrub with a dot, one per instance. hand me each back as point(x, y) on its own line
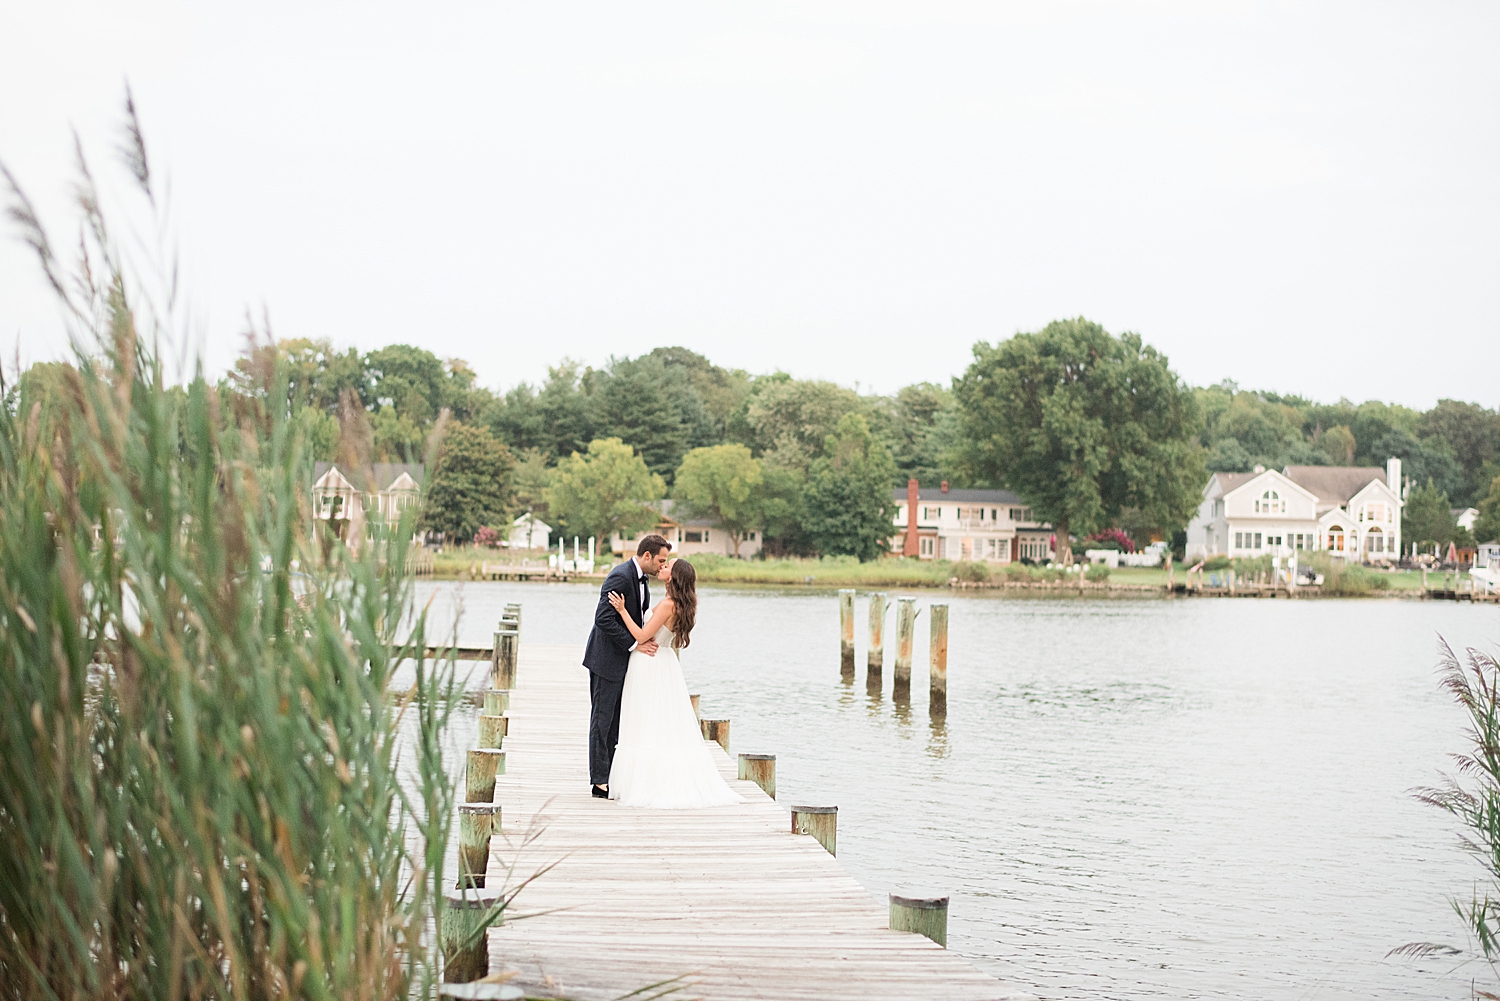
point(1109, 538)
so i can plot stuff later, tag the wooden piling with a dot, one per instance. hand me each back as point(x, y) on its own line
point(846, 631)
point(875, 659)
point(513, 611)
point(822, 822)
point(1171, 575)
point(716, 730)
point(696, 710)
point(492, 731)
point(503, 659)
point(937, 655)
point(760, 769)
point(906, 631)
point(476, 823)
point(923, 915)
point(484, 763)
point(496, 702)
point(467, 918)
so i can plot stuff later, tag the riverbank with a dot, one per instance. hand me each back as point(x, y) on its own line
point(468, 562)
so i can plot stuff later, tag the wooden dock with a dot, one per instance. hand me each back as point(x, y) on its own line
point(727, 898)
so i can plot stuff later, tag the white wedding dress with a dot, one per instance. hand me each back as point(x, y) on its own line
point(662, 761)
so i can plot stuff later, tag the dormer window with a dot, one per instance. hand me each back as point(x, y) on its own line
point(1270, 502)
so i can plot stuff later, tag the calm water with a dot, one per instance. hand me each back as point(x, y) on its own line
point(1127, 799)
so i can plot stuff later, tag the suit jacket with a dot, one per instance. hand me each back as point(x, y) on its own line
point(608, 650)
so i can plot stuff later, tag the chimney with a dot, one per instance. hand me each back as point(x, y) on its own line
point(909, 547)
point(1393, 475)
point(945, 486)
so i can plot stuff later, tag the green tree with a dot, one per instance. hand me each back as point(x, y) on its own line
point(608, 490)
point(849, 509)
point(789, 419)
point(723, 483)
point(653, 407)
point(1339, 445)
point(1472, 433)
point(557, 419)
point(418, 383)
point(1487, 524)
point(1426, 517)
point(925, 433)
point(723, 391)
point(1082, 424)
point(1422, 460)
point(316, 375)
point(469, 486)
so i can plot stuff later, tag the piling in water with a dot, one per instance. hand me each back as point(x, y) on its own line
point(822, 822)
point(875, 659)
point(503, 659)
point(937, 624)
point(492, 731)
point(906, 631)
point(846, 631)
point(476, 823)
point(716, 730)
point(760, 769)
point(496, 702)
point(923, 915)
point(484, 764)
point(466, 947)
point(696, 710)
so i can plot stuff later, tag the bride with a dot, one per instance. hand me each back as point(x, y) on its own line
point(661, 761)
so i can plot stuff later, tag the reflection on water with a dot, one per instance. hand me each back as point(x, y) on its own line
point(1126, 799)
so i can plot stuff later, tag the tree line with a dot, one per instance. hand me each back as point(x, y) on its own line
point(1092, 430)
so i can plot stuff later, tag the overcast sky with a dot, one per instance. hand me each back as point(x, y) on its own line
point(1300, 197)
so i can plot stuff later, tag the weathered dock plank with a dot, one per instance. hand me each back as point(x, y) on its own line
point(727, 898)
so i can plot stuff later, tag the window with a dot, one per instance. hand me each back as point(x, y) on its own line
point(1239, 540)
point(751, 536)
point(1257, 540)
point(1270, 502)
point(1273, 540)
point(926, 546)
point(705, 535)
point(695, 537)
point(994, 514)
point(1374, 512)
point(1015, 514)
point(1336, 538)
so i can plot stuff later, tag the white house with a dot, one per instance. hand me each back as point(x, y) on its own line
point(528, 532)
point(1350, 512)
point(384, 489)
point(688, 536)
point(1465, 517)
point(995, 526)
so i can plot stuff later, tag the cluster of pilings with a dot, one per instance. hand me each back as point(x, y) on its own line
point(924, 915)
point(472, 909)
point(906, 628)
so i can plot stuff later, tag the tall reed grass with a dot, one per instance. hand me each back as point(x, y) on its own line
point(199, 792)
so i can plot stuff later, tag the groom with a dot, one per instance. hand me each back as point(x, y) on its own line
point(608, 652)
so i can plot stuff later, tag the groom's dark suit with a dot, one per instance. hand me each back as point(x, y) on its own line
point(607, 656)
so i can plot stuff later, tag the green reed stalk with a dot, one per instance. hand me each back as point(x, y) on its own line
point(199, 789)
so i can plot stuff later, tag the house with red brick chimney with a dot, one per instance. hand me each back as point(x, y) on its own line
point(993, 526)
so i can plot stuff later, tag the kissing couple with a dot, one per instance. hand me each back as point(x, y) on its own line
point(645, 745)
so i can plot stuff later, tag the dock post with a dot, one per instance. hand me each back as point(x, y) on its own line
point(822, 822)
point(846, 631)
point(1171, 575)
point(503, 659)
point(923, 915)
point(696, 711)
point(496, 702)
point(875, 659)
point(716, 730)
point(760, 769)
point(476, 822)
point(937, 656)
point(468, 915)
point(484, 763)
point(493, 730)
point(906, 630)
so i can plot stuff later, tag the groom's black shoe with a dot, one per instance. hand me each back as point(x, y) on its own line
point(600, 792)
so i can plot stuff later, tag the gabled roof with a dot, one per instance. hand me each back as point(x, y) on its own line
point(1334, 484)
point(960, 496)
point(1229, 482)
point(376, 476)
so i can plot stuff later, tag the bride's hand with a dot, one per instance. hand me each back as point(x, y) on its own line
point(617, 601)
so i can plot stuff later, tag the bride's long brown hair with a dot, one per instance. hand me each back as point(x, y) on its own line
point(682, 588)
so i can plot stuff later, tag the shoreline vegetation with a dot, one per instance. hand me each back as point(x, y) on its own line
point(1340, 580)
